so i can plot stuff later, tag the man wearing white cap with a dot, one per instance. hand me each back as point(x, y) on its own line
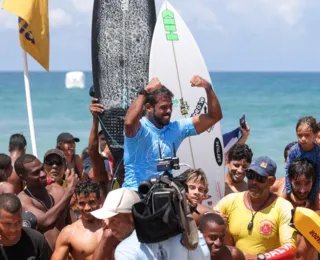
point(116, 211)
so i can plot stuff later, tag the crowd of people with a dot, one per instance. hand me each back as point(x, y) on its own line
point(70, 206)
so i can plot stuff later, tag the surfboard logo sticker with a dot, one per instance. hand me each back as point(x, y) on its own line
point(170, 25)
point(184, 107)
point(210, 129)
point(199, 107)
point(175, 103)
point(218, 152)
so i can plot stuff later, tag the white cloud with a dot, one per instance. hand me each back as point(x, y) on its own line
point(289, 12)
point(59, 18)
point(83, 6)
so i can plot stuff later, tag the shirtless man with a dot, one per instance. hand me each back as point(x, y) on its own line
point(301, 177)
point(239, 159)
point(5, 172)
point(213, 229)
point(17, 147)
point(82, 237)
point(50, 213)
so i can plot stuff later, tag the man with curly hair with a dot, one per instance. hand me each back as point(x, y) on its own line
point(239, 159)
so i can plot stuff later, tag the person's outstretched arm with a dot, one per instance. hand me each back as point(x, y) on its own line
point(203, 122)
point(244, 134)
point(132, 119)
point(98, 166)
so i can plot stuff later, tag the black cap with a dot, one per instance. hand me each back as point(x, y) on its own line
point(67, 137)
point(29, 220)
point(54, 151)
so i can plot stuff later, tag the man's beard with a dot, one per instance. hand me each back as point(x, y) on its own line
point(159, 120)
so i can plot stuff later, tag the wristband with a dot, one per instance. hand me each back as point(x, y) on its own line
point(143, 92)
point(209, 86)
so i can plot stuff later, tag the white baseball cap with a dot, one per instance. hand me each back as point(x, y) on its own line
point(118, 201)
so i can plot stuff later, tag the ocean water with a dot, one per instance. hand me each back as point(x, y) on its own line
point(272, 102)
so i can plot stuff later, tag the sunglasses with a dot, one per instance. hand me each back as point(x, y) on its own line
point(52, 161)
point(252, 175)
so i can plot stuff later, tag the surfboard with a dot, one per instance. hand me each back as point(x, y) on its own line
point(121, 40)
point(175, 57)
point(307, 222)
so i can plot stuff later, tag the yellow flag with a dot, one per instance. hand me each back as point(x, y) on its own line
point(33, 27)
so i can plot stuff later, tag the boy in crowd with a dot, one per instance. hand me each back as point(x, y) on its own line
point(213, 228)
point(82, 237)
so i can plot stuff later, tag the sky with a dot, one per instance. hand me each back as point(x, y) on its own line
point(233, 35)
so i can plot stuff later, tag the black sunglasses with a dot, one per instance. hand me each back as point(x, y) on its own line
point(52, 161)
point(253, 175)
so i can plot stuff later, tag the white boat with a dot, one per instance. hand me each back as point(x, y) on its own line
point(75, 79)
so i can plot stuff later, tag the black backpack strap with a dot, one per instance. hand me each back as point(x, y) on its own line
point(3, 253)
point(171, 183)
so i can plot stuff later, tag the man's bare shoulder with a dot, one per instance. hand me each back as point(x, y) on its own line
point(236, 253)
point(6, 187)
point(278, 186)
point(24, 197)
point(69, 230)
point(76, 229)
point(55, 187)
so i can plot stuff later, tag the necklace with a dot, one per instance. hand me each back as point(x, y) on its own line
point(250, 225)
point(51, 201)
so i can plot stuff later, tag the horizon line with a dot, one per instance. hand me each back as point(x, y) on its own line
point(216, 71)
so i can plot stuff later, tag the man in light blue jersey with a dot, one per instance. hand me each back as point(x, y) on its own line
point(154, 136)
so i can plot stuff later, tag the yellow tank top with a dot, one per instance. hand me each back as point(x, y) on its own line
point(270, 226)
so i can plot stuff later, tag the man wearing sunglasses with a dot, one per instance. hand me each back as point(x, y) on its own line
point(258, 220)
point(54, 164)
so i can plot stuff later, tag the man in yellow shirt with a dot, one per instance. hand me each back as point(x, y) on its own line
point(258, 220)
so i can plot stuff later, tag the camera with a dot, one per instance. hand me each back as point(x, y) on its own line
point(146, 185)
point(168, 164)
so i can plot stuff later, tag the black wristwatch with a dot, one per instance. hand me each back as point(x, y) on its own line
point(142, 91)
point(261, 257)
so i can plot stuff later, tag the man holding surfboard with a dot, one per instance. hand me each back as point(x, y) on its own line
point(154, 137)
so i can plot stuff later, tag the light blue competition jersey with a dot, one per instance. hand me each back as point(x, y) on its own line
point(170, 249)
point(142, 152)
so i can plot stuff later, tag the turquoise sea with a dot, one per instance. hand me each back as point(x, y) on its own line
point(272, 102)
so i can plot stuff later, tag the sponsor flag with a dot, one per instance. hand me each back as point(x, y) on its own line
point(33, 27)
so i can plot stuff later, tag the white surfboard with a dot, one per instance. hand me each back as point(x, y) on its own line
point(175, 57)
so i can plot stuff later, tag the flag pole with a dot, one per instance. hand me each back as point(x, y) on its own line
point(29, 106)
